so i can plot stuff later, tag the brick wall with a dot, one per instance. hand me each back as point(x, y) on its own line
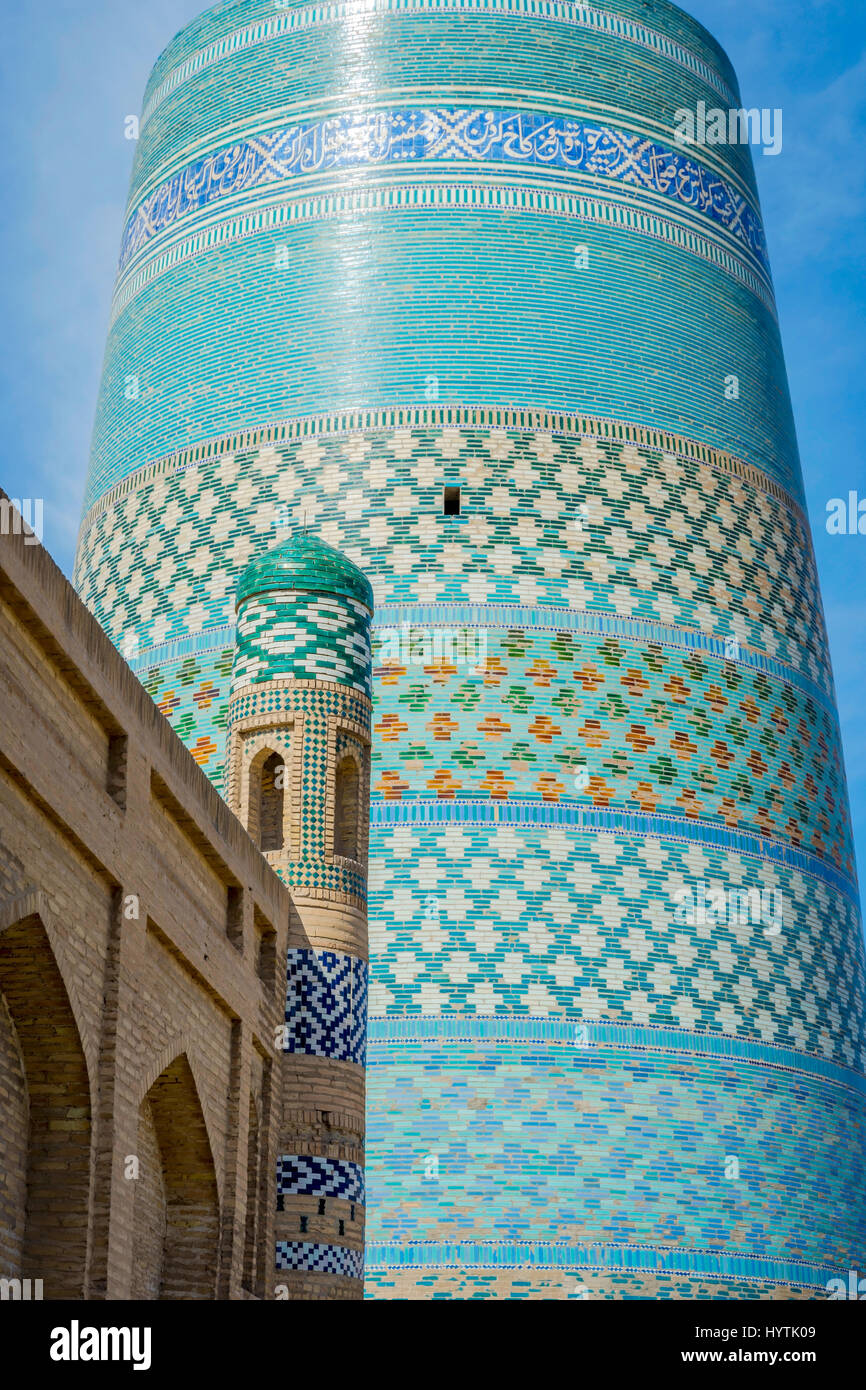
point(14, 1124)
point(142, 967)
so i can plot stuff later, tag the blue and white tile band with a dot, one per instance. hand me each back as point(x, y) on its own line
point(326, 1005)
point(309, 1257)
point(496, 136)
point(582, 1034)
point(309, 1175)
point(602, 1258)
point(588, 820)
point(276, 212)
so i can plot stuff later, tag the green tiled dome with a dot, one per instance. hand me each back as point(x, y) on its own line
point(305, 562)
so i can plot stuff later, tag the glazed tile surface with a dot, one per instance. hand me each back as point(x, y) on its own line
point(379, 248)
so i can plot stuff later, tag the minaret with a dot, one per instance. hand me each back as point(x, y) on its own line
point(298, 772)
point(498, 318)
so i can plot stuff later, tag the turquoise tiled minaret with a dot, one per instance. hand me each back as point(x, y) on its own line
point(298, 777)
point(438, 281)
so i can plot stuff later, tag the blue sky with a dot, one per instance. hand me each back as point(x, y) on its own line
point(72, 70)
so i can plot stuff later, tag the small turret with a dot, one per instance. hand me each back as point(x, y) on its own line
point(298, 777)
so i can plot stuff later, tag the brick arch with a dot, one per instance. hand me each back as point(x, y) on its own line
point(34, 903)
point(182, 1044)
point(266, 749)
point(271, 800)
point(149, 1209)
point(53, 1155)
point(177, 1205)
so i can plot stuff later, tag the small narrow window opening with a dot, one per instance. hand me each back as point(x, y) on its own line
point(451, 501)
point(346, 811)
point(118, 750)
point(271, 804)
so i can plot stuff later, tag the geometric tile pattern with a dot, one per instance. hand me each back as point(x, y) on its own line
point(330, 313)
point(326, 1005)
point(302, 666)
point(638, 725)
point(589, 524)
point(430, 887)
point(320, 1259)
point(308, 1175)
point(309, 637)
point(310, 869)
point(522, 921)
point(412, 810)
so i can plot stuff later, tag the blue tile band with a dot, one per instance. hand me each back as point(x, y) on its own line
point(538, 139)
point(592, 17)
point(308, 1257)
point(326, 1005)
point(608, 1258)
point(302, 1175)
point(582, 1034)
point(494, 616)
point(522, 811)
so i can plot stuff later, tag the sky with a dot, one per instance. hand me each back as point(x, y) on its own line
point(71, 71)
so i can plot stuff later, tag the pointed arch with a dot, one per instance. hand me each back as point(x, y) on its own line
point(266, 799)
point(182, 1043)
point(271, 796)
point(176, 1225)
point(149, 1209)
point(40, 1029)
